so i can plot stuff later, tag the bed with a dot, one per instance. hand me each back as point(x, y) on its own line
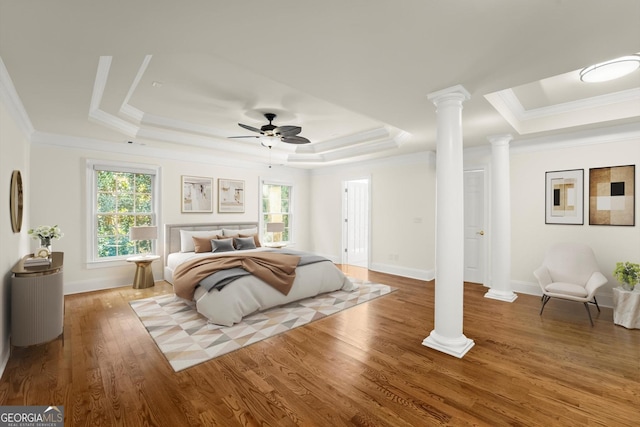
point(227, 284)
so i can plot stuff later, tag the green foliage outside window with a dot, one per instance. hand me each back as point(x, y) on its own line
point(123, 200)
point(276, 208)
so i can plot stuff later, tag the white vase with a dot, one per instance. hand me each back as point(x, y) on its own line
point(626, 286)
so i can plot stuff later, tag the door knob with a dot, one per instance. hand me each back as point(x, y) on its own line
point(481, 232)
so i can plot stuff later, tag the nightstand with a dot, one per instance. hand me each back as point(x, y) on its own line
point(144, 275)
point(37, 302)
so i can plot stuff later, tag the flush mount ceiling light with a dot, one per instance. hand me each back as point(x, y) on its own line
point(610, 70)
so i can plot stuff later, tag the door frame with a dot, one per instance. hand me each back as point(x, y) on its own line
point(345, 236)
point(486, 242)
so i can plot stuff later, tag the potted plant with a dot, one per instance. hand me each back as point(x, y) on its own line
point(628, 274)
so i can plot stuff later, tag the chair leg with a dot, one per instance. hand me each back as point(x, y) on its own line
point(545, 300)
point(588, 312)
point(595, 301)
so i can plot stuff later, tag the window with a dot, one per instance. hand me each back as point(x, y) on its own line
point(276, 207)
point(121, 197)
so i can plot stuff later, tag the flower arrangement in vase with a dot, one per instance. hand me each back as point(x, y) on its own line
point(45, 234)
point(628, 274)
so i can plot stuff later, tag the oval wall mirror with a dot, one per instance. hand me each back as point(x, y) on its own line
point(15, 202)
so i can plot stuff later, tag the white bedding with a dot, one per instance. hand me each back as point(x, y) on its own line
point(249, 294)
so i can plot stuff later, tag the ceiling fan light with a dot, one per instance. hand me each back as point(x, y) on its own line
point(269, 141)
point(610, 70)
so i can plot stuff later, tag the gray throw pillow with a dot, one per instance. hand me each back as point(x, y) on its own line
point(242, 243)
point(224, 245)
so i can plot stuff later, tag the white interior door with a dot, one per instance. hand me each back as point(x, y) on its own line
point(474, 226)
point(356, 222)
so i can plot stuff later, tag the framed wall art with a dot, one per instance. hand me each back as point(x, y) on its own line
point(230, 196)
point(612, 195)
point(565, 197)
point(197, 194)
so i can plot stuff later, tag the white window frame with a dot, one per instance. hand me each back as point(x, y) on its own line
point(115, 166)
point(292, 215)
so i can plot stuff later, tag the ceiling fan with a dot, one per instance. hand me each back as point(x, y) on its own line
point(271, 134)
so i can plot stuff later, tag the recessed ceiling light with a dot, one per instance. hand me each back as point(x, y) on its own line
point(156, 83)
point(610, 70)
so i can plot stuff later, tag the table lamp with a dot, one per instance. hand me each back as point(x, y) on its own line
point(147, 232)
point(275, 227)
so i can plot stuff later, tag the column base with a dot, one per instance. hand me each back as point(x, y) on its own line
point(457, 347)
point(507, 296)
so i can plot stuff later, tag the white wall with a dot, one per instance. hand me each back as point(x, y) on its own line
point(403, 191)
point(531, 236)
point(402, 213)
point(14, 155)
point(58, 173)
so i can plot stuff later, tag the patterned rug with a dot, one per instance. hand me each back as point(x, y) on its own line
point(186, 338)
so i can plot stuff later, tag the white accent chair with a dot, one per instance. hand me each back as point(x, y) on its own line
point(570, 271)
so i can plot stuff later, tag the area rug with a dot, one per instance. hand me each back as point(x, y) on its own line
point(186, 338)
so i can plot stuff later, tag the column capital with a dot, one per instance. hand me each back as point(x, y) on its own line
point(457, 92)
point(503, 139)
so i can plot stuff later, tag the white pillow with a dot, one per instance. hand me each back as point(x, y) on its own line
point(232, 233)
point(186, 238)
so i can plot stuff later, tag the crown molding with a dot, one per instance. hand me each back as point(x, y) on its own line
point(164, 129)
point(563, 115)
point(11, 99)
point(113, 122)
point(100, 116)
point(345, 141)
point(420, 158)
point(628, 132)
point(126, 108)
point(150, 152)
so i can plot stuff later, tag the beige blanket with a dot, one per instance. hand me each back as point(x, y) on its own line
point(278, 270)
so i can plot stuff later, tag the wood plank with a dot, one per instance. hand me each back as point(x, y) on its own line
point(362, 366)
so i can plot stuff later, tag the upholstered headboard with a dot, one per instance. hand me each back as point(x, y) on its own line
point(172, 232)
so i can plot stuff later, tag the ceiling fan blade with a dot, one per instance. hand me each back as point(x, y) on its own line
point(295, 140)
point(251, 128)
point(287, 130)
point(247, 136)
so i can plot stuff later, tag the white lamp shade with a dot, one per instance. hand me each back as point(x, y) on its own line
point(275, 227)
point(149, 232)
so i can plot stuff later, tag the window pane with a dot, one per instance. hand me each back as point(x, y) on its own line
point(143, 184)
point(124, 199)
point(107, 225)
point(143, 203)
point(143, 220)
point(106, 202)
point(106, 181)
point(125, 203)
point(124, 182)
point(276, 208)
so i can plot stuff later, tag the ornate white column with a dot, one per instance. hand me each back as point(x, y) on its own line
point(447, 335)
point(500, 220)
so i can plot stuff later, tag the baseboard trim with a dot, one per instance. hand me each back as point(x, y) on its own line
point(79, 287)
point(5, 356)
point(412, 273)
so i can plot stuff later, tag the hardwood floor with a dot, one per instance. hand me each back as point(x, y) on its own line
point(364, 366)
